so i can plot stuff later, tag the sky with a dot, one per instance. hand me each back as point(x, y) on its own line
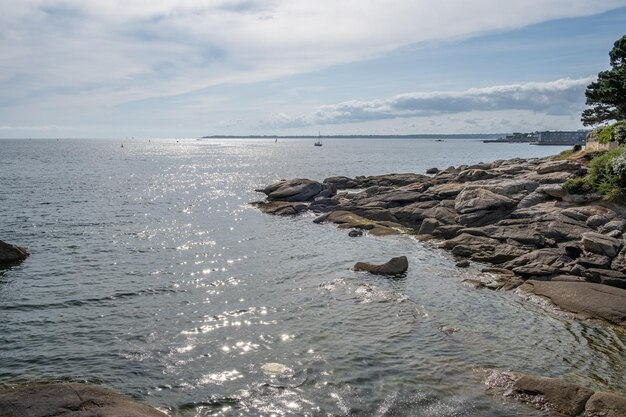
point(189, 68)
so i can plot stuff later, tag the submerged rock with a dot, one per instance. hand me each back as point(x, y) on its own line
point(395, 266)
point(69, 400)
point(12, 253)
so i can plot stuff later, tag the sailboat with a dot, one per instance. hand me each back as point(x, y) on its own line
point(318, 142)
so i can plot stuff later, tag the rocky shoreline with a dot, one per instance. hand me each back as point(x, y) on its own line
point(69, 400)
point(515, 219)
point(512, 216)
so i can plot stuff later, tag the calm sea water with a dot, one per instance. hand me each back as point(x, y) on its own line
point(150, 274)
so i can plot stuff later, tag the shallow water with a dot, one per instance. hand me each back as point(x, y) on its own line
point(150, 274)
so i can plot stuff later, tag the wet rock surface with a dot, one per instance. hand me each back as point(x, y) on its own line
point(395, 266)
point(11, 253)
point(69, 400)
point(555, 396)
point(513, 214)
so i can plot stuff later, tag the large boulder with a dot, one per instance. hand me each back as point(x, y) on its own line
point(560, 396)
point(395, 266)
point(69, 400)
point(298, 189)
point(600, 244)
point(479, 199)
point(12, 253)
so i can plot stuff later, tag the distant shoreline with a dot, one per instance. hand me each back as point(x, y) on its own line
point(420, 136)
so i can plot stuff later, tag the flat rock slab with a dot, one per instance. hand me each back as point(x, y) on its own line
point(70, 400)
point(555, 394)
point(589, 299)
point(395, 266)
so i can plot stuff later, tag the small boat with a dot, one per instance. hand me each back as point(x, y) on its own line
point(318, 142)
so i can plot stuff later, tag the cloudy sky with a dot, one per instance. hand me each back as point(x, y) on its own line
point(187, 68)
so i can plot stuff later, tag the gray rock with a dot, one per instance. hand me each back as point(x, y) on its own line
point(470, 201)
point(553, 190)
point(619, 262)
point(604, 404)
point(280, 208)
point(557, 166)
point(482, 249)
point(565, 398)
point(11, 253)
point(463, 264)
point(473, 175)
point(69, 400)
point(532, 199)
point(428, 226)
point(355, 233)
point(601, 244)
point(596, 221)
point(298, 189)
point(432, 170)
point(342, 183)
point(323, 204)
point(582, 198)
point(613, 225)
point(593, 260)
point(589, 299)
point(395, 266)
point(616, 234)
point(541, 262)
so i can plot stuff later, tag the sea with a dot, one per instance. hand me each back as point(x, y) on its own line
point(152, 275)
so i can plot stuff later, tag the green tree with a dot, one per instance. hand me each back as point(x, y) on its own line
point(607, 95)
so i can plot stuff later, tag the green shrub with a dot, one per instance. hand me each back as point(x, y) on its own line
point(577, 148)
point(578, 185)
point(604, 135)
point(606, 174)
point(618, 132)
point(593, 134)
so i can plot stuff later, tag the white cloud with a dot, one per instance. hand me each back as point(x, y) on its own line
point(558, 98)
point(104, 52)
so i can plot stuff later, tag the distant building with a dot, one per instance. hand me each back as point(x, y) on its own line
point(516, 137)
point(562, 138)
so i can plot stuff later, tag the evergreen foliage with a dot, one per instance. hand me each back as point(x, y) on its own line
point(607, 95)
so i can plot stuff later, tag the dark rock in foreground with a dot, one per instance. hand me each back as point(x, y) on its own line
point(12, 253)
point(395, 266)
point(69, 400)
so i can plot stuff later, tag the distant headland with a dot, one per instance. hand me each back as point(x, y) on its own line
point(415, 136)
